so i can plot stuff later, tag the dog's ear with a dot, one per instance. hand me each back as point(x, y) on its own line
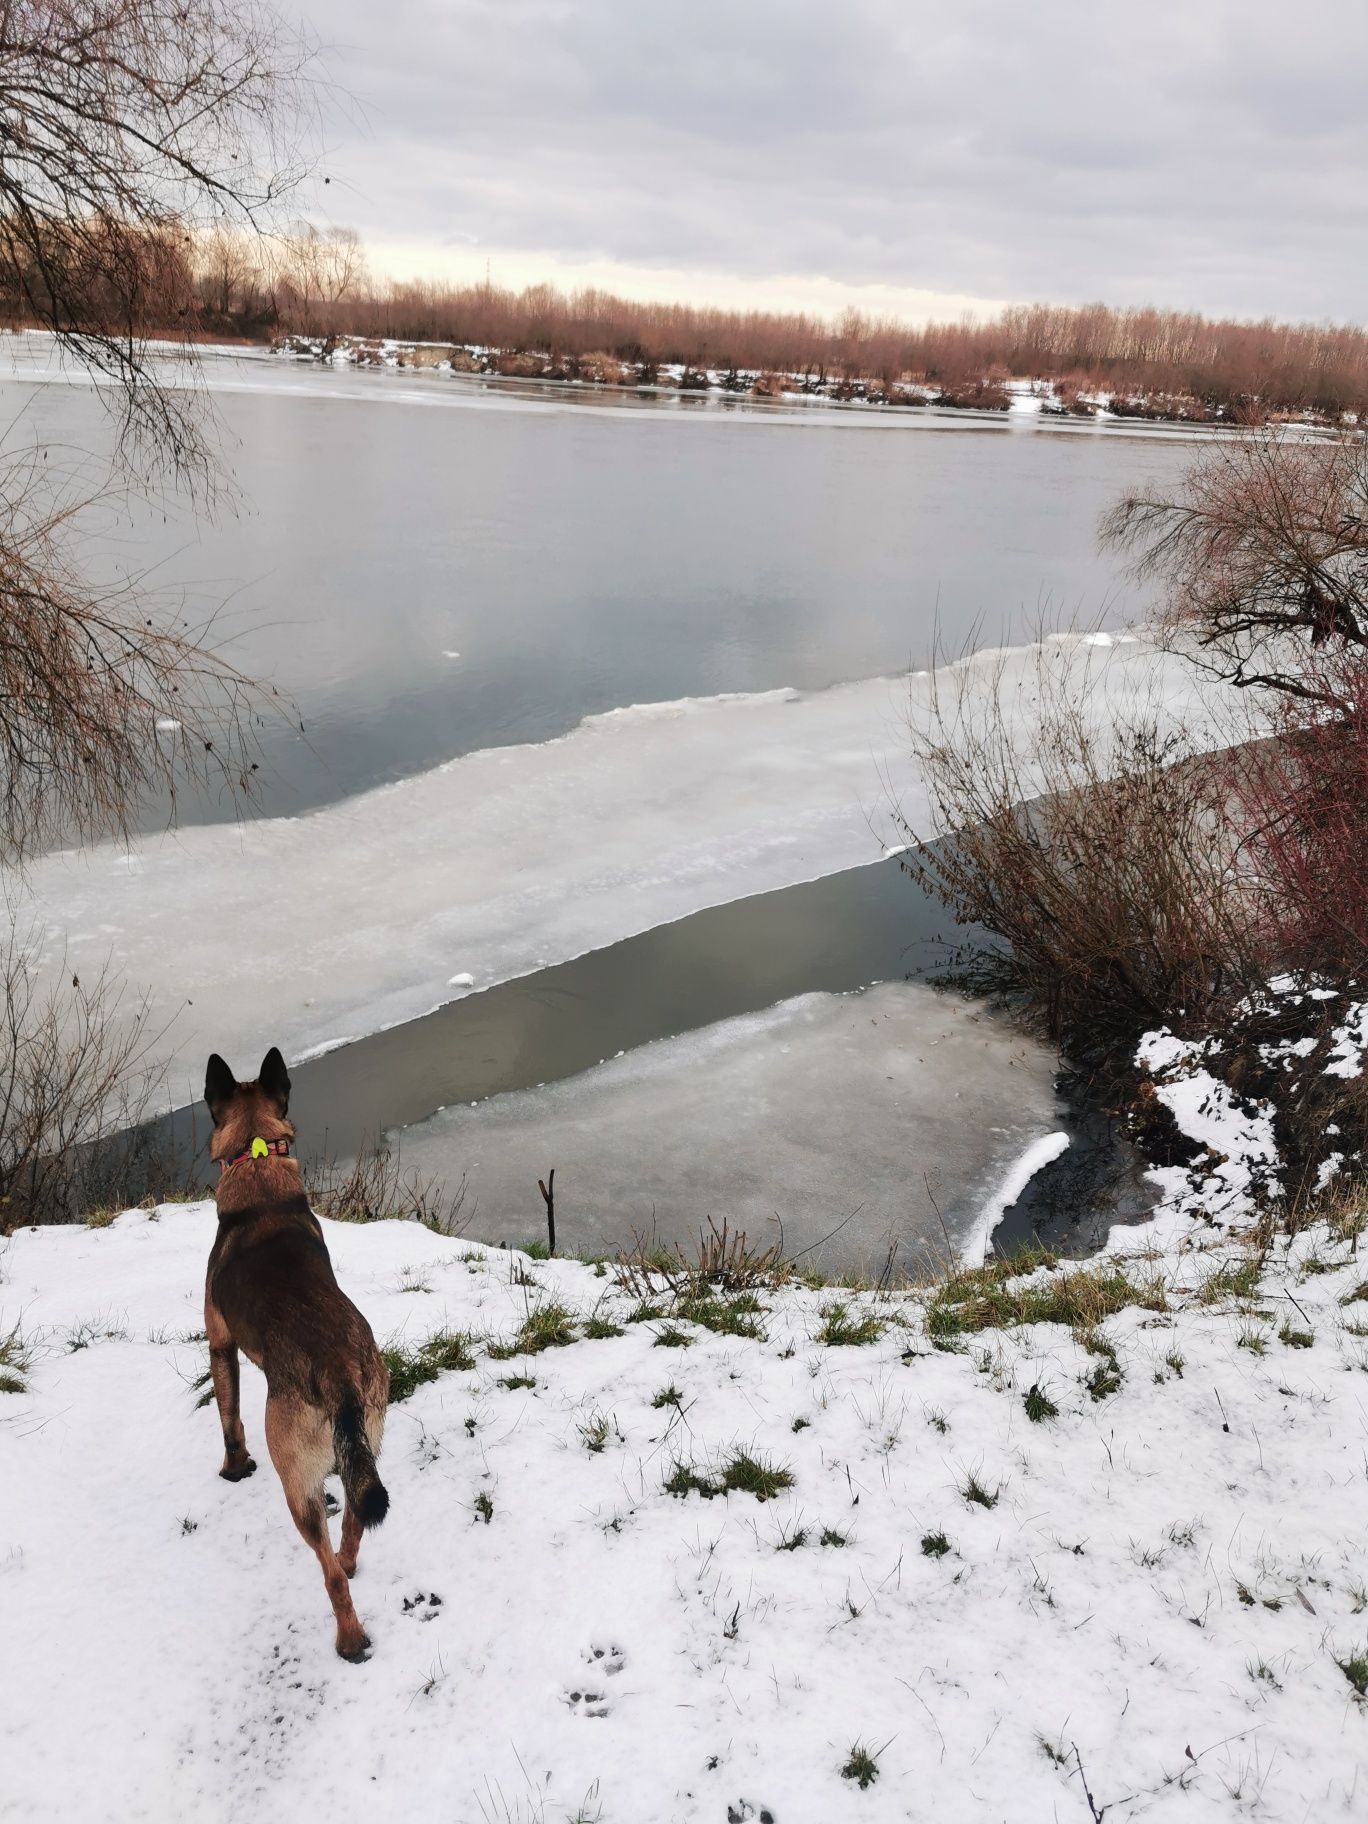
point(275, 1080)
point(219, 1084)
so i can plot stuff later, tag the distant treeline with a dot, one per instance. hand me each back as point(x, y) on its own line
point(315, 282)
point(1229, 366)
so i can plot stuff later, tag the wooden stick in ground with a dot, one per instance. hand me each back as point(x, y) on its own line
point(547, 1187)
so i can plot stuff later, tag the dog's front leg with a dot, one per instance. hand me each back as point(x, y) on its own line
point(223, 1370)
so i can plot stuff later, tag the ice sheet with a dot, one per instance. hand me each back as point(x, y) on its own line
point(304, 931)
point(886, 1111)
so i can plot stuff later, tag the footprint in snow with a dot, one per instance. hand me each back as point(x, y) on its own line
point(588, 1703)
point(424, 1605)
point(590, 1699)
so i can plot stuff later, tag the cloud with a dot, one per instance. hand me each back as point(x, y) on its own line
point(1208, 156)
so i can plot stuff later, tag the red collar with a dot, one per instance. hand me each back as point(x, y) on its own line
point(282, 1147)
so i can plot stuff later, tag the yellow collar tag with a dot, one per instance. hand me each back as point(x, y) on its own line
point(259, 1148)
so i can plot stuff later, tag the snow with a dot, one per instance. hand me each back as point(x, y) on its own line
point(1242, 1163)
point(1037, 1156)
point(1349, 1041)
point(888, 1116)
point(517, 856)
point(1159, 1596)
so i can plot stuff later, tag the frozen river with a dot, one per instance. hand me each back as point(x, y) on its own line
point(572, 674)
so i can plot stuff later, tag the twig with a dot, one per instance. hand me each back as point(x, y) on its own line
point(547, 1187)
point(1096, 1815)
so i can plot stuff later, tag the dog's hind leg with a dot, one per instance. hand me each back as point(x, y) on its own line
point(299, 1438)
point(223, 1371)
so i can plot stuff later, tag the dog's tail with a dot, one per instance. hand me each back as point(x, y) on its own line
point(366, 1493)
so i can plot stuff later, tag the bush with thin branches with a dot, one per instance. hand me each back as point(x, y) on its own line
point(1102, 861)
point(73, 1090)
point(1263, 552)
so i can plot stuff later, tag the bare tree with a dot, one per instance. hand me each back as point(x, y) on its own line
point(72, 1069)
point(100, 703)
point(1095, 847)
point(1264, 554)
point(126, 126)
point(318, 268)
point(229, 274)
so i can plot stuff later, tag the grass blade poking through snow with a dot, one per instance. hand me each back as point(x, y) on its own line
point(741, 1473)
point(409, 1369)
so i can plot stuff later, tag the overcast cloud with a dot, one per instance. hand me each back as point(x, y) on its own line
point(1206, 154)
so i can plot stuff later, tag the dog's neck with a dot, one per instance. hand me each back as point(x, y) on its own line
point(257, 1184)
point(259, 1149)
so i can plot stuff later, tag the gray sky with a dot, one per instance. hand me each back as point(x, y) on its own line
point(1205, 154)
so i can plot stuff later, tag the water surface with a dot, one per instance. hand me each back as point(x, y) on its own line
point(426, 566)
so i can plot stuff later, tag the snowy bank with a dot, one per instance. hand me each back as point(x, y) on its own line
point(1157, 1588)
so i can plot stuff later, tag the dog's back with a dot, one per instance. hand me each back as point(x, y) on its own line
point(271, 1291)
point(271, 1280)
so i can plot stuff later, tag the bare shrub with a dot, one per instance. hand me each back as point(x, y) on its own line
point(724, 1260)
point(603, 369)
point(1263, 550)
point(977, 395)
point(1104, 863)
point(374, 1187)
point(100, 704)
point(72, 1086)
point(1302, 799)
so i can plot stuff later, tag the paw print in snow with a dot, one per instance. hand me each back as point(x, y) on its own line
point(587, 1703)
point(423, 1605)
point(590, 1699)
point(743, 1811)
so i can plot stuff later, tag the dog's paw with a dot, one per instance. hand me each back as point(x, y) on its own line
point(239, 1472)
point(355, 1651)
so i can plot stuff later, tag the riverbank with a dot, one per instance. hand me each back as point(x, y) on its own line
point(1063, 396)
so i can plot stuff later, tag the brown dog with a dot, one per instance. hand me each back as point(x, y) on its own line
point(270, 1291)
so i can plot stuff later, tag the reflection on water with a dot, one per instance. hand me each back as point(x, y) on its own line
point(831, 935)
point(424, 583)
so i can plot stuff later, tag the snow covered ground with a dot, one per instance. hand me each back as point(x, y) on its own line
point(511, 858)
point(1160, 1600)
